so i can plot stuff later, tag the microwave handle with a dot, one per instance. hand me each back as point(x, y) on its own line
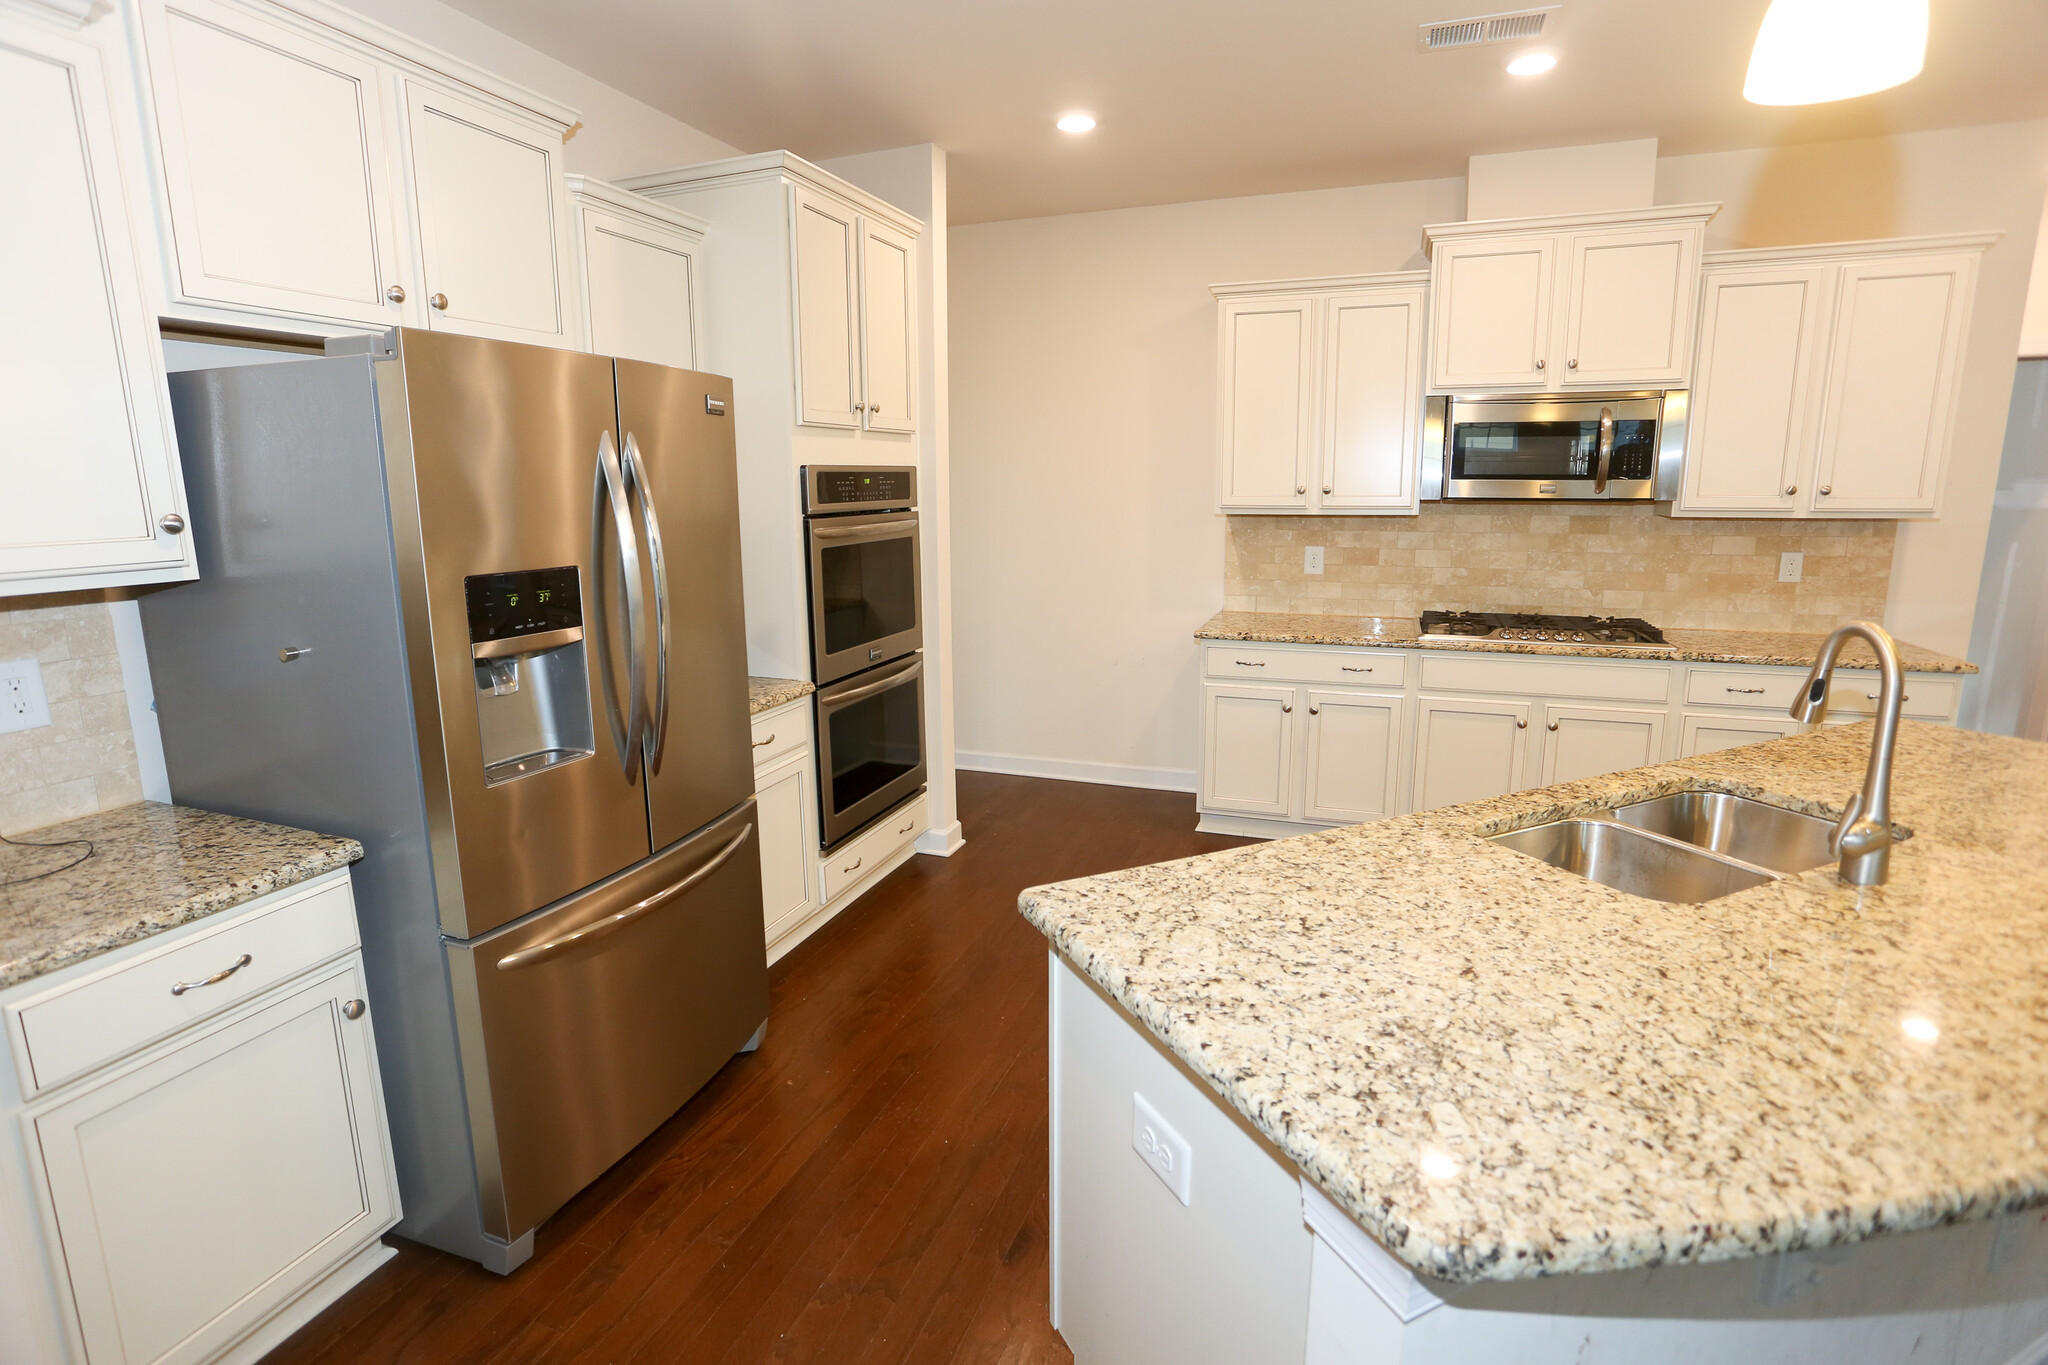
point(901, 675)
point(1606, 450)
point(873, 528)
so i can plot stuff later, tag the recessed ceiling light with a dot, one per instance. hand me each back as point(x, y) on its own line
point(1813, 51)
point(1531, 64)
point(1076, 123)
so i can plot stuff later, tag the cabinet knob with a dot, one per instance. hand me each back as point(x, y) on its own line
point(396, 293)
point(1826, 489)
point(1539, 364)
point(1301, 488)
point(353, 1009)
point(1573, 363)
point(1552, 727)
point(439, 301)
point(1521, 725)
point(1327, 490)
point(1315, 710)
point(172, 523)
point(291, 652)
point(1790, 489)
point(1286, 708)
point(874, 409)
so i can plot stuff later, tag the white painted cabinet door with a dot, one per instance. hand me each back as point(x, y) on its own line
point(1750, 446)
point(1266, 424)
point(640, 289)
point(824, 235)
point(1589, 741)
point(1354, 756)
point(1467, 750)
point(1372, 400)
point(88, 464)
point(199, 1191)
point(1629, 315)
point(789, 843)
point(1706, 734)
point(492, 218)
point(1491, 316)
point(1894, 365)
point(888, 318)
point(276, 165)
point(1249, 748)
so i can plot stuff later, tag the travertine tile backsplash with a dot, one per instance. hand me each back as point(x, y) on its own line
point(1580, 560)
point(84, 760)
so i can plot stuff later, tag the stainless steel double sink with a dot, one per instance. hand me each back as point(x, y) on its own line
point(1684, 848)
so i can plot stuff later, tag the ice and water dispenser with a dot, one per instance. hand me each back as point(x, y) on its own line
point(532, 678)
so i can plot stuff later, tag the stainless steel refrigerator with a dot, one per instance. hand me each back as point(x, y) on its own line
point(477, 604)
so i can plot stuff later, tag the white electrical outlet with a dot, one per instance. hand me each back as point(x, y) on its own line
point(23, 706)
point(1791, 565)
point(1164, 1150)
point(1312, 559)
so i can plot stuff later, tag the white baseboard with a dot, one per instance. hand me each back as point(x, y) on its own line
point(942, 843)
point(1078, 770)
point(1253, 826)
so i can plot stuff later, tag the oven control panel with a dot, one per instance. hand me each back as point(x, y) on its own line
point(848, 488)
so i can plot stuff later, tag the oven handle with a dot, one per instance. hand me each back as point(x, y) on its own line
point(610, 924)
point(872, 528)
point(913, 669)
point(1606, 450)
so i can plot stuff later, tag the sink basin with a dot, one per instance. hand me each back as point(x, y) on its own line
point(1781, 840)
point(1628, 859)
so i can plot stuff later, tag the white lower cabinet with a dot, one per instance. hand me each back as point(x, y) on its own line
point(1354, 756)
point(1586, 741)
point(1705, 734)
point(1249, 742)
point(789, 838)
point(1469, 748)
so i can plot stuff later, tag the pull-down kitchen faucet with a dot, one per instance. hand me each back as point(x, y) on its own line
point(1863, 836)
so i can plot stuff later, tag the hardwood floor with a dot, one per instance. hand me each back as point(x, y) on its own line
point(870, 1186)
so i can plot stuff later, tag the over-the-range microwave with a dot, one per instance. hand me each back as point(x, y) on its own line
point(1565, 447)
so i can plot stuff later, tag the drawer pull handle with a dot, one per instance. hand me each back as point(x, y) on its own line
point(770, 740)
point(908, 827)
point(855, 866)
point(1251, 663)
point(1349, 669)
point(353, 1009)
point(1903, 696)
point(214, 980)
point(1748, 691)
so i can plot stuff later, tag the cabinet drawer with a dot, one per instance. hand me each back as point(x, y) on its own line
point(780, 733)
point(1547, 677)
point(1351, 667)
point(88, 1022)
point(1851, 696)
point(863, 854)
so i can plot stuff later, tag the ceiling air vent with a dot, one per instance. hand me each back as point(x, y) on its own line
point(1515, 26)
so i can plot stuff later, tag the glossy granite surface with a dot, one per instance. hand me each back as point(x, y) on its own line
point(1688, 646)
point(153, 868)
point(765, 694)
point(1502, 1070)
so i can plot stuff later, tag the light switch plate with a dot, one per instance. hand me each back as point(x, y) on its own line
point(1312, 559)
point(1164, 1150)
point(1791, 566)
point(23, 705)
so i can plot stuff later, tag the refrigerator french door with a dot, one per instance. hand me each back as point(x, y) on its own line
point(477, 604)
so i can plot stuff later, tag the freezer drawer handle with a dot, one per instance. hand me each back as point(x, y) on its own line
point(214, 980)
point(555, 947)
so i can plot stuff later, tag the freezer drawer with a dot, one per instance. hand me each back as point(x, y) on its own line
point(585, 1026)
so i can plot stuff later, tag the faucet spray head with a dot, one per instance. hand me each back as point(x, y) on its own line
point(1806, 707)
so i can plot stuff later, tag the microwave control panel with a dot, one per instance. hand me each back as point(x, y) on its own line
point(847, 488)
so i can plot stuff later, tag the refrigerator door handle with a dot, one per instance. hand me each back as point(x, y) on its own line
point(555, 947)
point(655, 737)
point(608, 497)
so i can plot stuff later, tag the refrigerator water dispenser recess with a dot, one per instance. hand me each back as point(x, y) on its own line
point(532, 677)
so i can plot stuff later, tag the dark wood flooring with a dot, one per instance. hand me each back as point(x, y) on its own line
point(870, 1186)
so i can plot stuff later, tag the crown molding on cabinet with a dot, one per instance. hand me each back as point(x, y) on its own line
point(738, 170)
point(1818, 252)
point(1568, 222)
point(1385, 279)
point(617, 199)
point(71, 13)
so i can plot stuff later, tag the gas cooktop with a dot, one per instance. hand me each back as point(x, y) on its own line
point(1538, 629)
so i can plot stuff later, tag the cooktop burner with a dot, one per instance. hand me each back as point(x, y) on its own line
point(1539, 629)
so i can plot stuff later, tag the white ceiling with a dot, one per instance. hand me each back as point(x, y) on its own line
point(1203, 99)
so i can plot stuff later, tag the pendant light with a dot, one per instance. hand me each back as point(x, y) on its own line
point(1813, 51)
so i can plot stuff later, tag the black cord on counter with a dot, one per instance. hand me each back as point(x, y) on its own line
point(58, 843)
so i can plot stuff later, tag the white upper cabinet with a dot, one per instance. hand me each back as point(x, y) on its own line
point(284, 214)
point(1599, 300)
point(1372, 399)
point(639, 274)
point(1752, 401)
point(824, 239)
point(888, 317)
point(1265, 421)
point(92, 491)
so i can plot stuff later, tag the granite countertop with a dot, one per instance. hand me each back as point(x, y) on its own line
point(1601, 1082)
point(765, 694)
point(1789, 648)
point(153, 868)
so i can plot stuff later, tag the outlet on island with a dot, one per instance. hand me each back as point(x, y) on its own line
point(1164, 1150)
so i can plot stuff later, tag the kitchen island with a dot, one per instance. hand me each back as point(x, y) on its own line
point(1493, 1079)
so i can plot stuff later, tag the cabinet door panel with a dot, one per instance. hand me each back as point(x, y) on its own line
point(286, 214)
point(199, 1191)
point(640, 292)
point(1706, 734)
point(823, 233)
point(1372, 399)
point(1631, 311)
point(1468, 750)
point(1752, 402)
point(1266, 423)
point(1589, 741)
point(1492, 312)
point(1249, 749)
point(1354, 756)
point(492, 219)
point(87, 465)
point(789, 843)
point(888, 314)
point(1894, 364)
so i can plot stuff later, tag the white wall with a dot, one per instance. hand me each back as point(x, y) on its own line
point(2034, 331)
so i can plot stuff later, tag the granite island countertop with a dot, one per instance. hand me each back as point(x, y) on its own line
point(153, 867)
point(1600, 1081)
point(765, 694)
point(1786, 648)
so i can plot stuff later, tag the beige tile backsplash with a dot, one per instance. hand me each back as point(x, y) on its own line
point(1691, 573)
point(84, 760)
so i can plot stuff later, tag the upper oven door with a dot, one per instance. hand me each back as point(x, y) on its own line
point(864, 600)
point(1593, 447)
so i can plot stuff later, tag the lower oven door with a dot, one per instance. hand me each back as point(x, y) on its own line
point(870, 745)
point(864, 600)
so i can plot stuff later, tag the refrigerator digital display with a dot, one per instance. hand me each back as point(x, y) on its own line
point(522, 603)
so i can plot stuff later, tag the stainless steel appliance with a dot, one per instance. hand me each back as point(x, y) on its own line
point(478, 605)
point(1535, 628)
point(1564, 446)
point(860, 524)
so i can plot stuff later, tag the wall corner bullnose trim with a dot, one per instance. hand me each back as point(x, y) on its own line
point(1400, 1288)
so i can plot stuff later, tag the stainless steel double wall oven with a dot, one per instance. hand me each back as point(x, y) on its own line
point(867, 635)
